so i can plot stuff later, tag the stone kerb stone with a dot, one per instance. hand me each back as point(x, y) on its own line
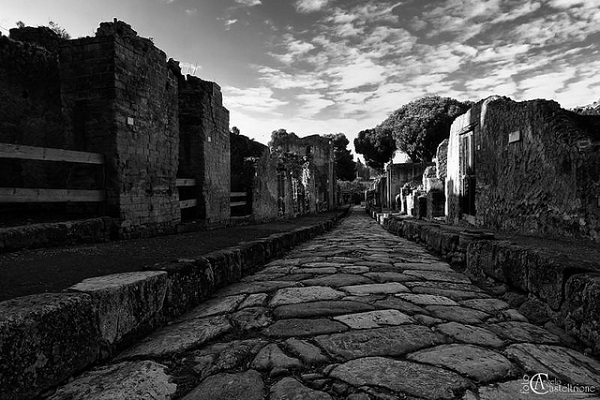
point(45, 339)
point(126, 304)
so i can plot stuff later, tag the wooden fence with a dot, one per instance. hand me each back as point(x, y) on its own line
point(24, 195)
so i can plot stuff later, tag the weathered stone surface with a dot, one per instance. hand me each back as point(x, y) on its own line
point(253, 287)
point(486, 305)
point(179, 337)
point(44, 339)
point(562, 363)
point(246, 385)
point(438, 266)
point(449, 276)
point(456, 295)
point(303, 327)
point(125, 303)
point(251, 318)
point(382, 277)
point(310, 355)
point(521, 390)
point(427, 320)
point(413, 379)
point(536, 311)
point(458, 314)
point(315, 271)
point(219, 305)
point(476, 362)
point(375, 288)
point(320, 308)
point(374, 319)
point(304, 294)
point(138, 380)
point(470, 334)
point(463, 287)
point(522, 332)
point(399, 304)
point(355, 269)
point(290, 389)
point(391, 341)
point(427, 299)
point(254, 300)
point(272, 358)
point(222, 356)
point(336, 280)
point(322, 264)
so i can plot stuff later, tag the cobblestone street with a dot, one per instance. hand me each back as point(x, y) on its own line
point(356, 314)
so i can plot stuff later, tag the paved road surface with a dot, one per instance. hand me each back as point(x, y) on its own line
point(355, 314)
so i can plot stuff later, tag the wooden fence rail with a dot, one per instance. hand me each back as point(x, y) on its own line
point(26, 195)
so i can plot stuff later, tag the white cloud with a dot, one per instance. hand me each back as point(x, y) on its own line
point(252, 100)
point(192, 11)
point(283, 80)
point(361, 72)
point(249, 3)
point(308, 6)
point(230, 22)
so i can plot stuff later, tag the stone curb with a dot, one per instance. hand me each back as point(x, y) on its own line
point(92, 230)
point(568, 292)
point(47, 338)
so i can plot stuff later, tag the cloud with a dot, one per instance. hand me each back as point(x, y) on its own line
point(309, 6)
point(284, 80)
point(192, 11)
point(252, 100)
point(230, 22)
point(249, 3)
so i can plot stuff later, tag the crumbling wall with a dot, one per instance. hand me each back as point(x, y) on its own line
point(120, 99)
point(538, 169)
point(399, 174)
point(205, 147)
point(264, 188)
point(30, 112)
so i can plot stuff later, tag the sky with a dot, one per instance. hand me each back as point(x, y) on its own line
point(329, 66)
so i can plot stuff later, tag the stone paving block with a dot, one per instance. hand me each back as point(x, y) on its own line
point(355, 269)
point(136, 380)
point(427, 299)
point(303, 327)
point(458, 314)
point(271, 357)
point(486, 305)
point(565, 364)
point(478, 363)
point(470, 334)
point(374, 319)
point(44, 339)
point(219, 357)
point(336, 280)
point(251, 318)
point(310, 355)
point(382, 277)
point(444, 276)
point(320, 308)
point(246, 385)
point(456, 295)
point(315, 271)
point(126, 303)
point(304, 294)
point(522, 332)
point(389, 341)
point(398, 304)
point(425, 266)
point(422, 381)
point(179, 337)
point(214, 306)
point(375, 288)
point(254, 300)
point(290, 389)
point(253, 287)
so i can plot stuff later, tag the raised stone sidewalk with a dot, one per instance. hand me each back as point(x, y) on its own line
point(355, 314)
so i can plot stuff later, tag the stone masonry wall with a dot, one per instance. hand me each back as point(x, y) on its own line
point(538, 170)
point(205, 147)
point(30, 111)
point(399, 174)
point(120, 99)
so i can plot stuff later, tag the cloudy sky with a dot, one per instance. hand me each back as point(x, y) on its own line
point(327, 66)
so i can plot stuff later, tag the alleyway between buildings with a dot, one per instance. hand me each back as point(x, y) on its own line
point(356, 314)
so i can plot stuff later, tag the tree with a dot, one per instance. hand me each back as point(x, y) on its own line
point(421, 125)
point(59, 30)
point(344, 161)
point(376, 145)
